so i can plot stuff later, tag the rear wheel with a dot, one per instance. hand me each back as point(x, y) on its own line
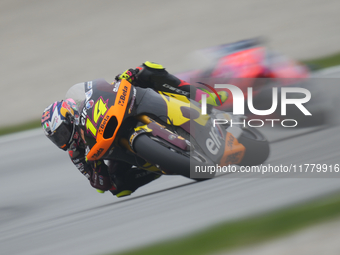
point(257, 147)
point(168, 158)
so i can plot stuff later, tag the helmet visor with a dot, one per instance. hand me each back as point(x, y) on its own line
point(62, 135)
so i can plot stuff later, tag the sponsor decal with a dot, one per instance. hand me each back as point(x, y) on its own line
point(132, 100)
point(47, 128)
point(132, 137)
point(45, 116)
point(55, 122)
point(234, 158)
point(66, 105)
point(80, 167)
point(88, 94)
point(102, 125)
point(123, 96)
point(83, 116)
point(230, 141)
point(101, 180)
point(176, 90)
point(65, 109)
point(75, 161)
point(213, 143)
point(89, 104)
point(97, 154)
point(116, 86)
point(76, 119)
point(138, 130)
point(89, 85)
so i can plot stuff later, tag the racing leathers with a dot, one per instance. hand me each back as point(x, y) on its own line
point(152, 75)
point(120, 178)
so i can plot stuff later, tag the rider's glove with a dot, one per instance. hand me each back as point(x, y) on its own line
point(100, 182)
point(130, 75)
point(100, 178)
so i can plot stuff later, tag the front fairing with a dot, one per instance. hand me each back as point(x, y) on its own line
point(102, 107)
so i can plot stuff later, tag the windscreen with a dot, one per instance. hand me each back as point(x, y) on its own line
point(77, 93)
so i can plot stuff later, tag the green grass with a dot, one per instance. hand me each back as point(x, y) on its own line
point(232, 235)
point(20, 127)
point(323, 62)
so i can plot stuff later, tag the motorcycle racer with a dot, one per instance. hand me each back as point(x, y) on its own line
point(152, 75)
point(59, 122)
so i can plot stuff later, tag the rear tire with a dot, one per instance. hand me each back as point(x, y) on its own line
point(257, 147)
point(168, 160)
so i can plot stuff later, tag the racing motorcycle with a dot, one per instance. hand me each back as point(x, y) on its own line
point(158, 131)
point(249, 64)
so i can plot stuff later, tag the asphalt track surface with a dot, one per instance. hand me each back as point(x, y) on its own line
point(47, 207)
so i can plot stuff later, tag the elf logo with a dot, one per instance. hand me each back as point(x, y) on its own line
point(213, 143)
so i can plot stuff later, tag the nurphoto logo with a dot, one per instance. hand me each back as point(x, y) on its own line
point(239, 102)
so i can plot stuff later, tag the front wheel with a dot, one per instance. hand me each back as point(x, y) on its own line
point(165, 157)
point(257, 147)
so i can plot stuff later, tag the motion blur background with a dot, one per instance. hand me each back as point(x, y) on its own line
point(47, 46)
point(47, 207)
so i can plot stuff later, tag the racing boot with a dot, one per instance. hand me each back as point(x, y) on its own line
point(128, 179)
